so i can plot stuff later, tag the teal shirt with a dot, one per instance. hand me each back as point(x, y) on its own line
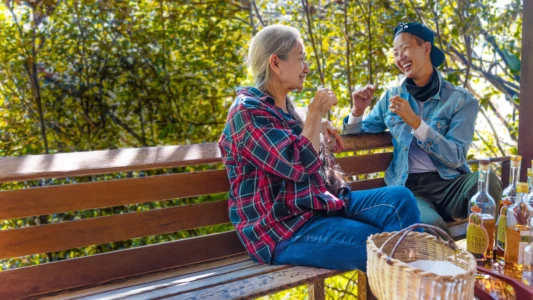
point(451, 115)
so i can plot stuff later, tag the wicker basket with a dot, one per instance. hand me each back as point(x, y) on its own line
point(390, 276)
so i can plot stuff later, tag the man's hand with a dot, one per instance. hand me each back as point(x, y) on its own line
point(401, 107)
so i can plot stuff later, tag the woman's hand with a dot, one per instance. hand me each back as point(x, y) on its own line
point(361, 99)
point(401, 107)
point(332, 137)
point(322, 102)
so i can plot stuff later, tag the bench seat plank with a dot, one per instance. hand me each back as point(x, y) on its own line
point(101, 268)
point(190, 283)
point(259, 285)
point(141, 281)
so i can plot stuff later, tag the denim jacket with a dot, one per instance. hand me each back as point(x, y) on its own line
point(451, 115)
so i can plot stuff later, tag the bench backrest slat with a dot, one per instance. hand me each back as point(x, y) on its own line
point(365, 164)
point(106, 161)
point(83, 196)
point(63, 165)
point(100, 230)
point(94, 270)
point(367, 184)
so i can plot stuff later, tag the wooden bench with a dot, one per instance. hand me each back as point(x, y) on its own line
point(211, 266)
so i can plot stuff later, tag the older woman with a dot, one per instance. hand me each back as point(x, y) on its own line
point(287, 202)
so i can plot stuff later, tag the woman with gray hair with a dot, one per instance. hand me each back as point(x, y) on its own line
point(288, 200)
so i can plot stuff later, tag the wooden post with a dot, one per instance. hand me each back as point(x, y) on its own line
point(525, 126)
point(316, 290)
point(506, 166)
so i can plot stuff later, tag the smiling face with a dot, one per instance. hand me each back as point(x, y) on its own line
point(411, 55)
point(293, 68)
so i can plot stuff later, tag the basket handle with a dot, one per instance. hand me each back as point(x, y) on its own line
point(439, 233)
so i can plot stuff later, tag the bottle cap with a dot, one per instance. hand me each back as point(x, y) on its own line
point(522, 187)
point(484, 164)
point(516, 160)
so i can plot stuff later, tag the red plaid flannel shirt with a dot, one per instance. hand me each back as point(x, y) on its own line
point(274, 173)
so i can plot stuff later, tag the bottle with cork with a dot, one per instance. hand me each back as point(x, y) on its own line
point(530, 183)
point(482, 218)
point(507, 199)
point(519, 230)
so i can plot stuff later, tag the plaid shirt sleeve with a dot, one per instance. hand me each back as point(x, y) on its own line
point(268, 145)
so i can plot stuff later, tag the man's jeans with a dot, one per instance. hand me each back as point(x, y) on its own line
point(339, 242)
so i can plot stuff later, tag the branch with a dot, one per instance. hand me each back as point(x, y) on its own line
point(347, 37)
point(258, 14)
point(503, 120)
point(496, 81)
point(345, 292)
point(11, 9)
point(126, 127)
point(438, 31)
point(204, 123)
point(493, 131)
point(416, 10)
point(305, 5)
point(493, 43)
point(342, 291)
point(362, 10)
point(469, 52)
point(489, 146)
point(369, 25)
point(251, 16)
point(495, 111)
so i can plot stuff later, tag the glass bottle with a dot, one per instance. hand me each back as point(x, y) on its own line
point(530, 182)
point(527, 273)
point(519, 230)
point(507, 199)
point(482, 217)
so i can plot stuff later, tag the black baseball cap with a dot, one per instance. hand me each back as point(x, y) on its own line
point(421, 31)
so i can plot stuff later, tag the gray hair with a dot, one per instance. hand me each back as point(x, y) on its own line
point(273, 39)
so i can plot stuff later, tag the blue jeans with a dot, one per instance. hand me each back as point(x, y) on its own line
point(339, 242)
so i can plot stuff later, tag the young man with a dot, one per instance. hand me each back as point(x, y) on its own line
point(432, 123)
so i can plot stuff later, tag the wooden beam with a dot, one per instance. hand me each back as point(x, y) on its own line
point(63, 165)
point(109, 193)
point(364, 164)
point(366, 141)
point(258, 286)
point(94, 231)
point(525, 125)
point(367, 184)
point(95, 270)
point(317, 290)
